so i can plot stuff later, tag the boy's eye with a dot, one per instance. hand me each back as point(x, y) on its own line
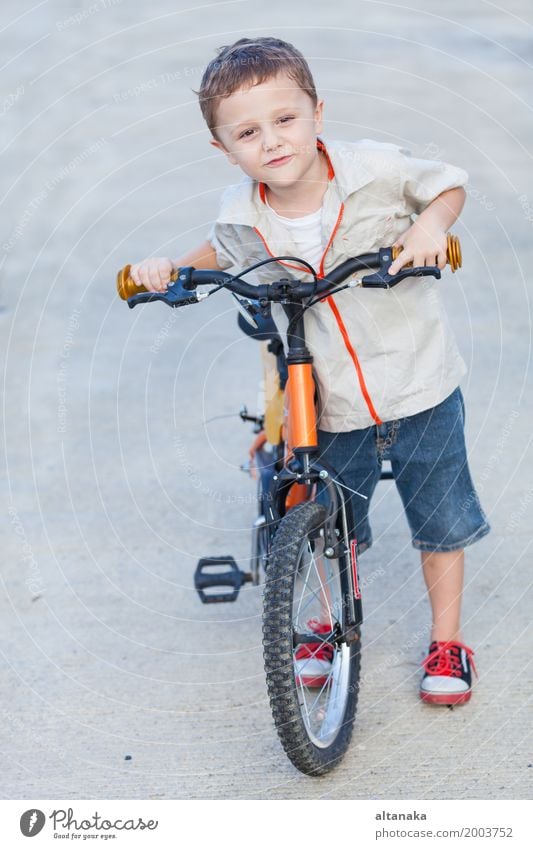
point(246, 134)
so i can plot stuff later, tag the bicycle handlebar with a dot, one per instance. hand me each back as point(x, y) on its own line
point(184, 282)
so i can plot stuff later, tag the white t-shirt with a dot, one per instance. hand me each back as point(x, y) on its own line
point(306, 233)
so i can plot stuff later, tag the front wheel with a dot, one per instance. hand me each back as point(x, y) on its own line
point(261, 529)
point(306, 594)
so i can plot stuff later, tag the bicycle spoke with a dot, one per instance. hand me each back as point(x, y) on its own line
point(302, 597)
point(308, 571)
point(302, 689)
point(319, 594)
point(324, 594)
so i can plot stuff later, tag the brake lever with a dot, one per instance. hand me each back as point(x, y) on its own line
point(175, 296)
point(381, 279)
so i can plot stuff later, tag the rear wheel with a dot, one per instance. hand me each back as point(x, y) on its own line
point(304, 592)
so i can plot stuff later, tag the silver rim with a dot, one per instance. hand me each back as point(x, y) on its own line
point(318, 596)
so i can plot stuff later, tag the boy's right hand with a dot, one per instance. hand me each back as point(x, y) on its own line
point(154, 273)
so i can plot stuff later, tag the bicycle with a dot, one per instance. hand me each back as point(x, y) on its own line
point(302, 539)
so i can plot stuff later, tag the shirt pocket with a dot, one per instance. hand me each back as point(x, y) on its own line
point(370, 233)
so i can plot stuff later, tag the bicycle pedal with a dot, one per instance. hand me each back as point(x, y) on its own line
point(205, 579)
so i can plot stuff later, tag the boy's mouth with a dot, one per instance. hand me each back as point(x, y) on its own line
point(281, 161)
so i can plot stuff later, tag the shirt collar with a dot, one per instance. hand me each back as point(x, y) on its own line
point(244, 202)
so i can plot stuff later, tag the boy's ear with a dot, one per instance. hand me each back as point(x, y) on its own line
point(221, 147)
point(318, 116)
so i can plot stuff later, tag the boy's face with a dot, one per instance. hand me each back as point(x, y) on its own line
point(270, 130)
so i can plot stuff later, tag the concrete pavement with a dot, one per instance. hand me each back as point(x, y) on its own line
point(116, 478)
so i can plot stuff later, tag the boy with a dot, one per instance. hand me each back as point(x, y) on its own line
point(386, 363)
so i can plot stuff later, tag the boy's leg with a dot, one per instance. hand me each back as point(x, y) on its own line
point(444, 576)
point(430, 465)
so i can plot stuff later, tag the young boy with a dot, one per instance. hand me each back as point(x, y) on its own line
point(387, 366)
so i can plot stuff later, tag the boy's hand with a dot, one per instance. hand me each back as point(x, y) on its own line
point(154, 273)
point(422, 245)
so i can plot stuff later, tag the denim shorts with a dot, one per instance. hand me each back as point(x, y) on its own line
point(427, 453)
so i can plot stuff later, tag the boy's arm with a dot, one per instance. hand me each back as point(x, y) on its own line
point(154, 273)
point(426, 239)
point(204, 256)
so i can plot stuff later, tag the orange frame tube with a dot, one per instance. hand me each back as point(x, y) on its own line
point(301, 412)
point(300, 420)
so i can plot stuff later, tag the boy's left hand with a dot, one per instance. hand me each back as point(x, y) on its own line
point(422, 245)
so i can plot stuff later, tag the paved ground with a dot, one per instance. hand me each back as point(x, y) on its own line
point(116, 478)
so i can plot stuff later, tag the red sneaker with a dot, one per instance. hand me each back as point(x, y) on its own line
point(448, 678)
point(312, 661)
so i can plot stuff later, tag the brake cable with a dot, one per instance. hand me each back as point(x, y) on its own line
point(285, 258)
point(265, 262)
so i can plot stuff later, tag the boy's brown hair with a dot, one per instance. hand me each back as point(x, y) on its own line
point(247, 62)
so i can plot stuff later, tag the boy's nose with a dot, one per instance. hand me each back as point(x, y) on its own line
point(270, 140)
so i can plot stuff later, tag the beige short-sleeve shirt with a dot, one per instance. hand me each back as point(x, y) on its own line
point(405, 349)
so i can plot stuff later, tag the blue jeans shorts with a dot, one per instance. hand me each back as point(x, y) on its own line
point(428, 457)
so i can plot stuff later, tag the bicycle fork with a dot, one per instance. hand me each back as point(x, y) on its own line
point(336, 528)
point(305, 468)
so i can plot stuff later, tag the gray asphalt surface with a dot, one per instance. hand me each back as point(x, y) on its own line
point(117, 478)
